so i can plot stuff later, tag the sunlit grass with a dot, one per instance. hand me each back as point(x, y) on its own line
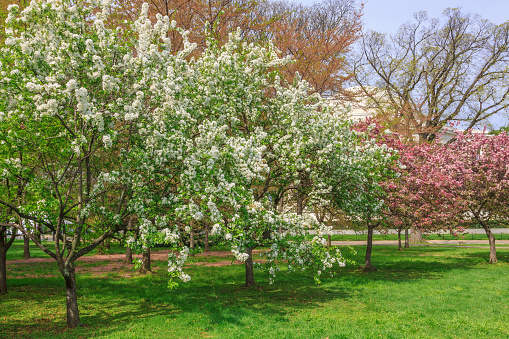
point(422, 292)
point(363, 237)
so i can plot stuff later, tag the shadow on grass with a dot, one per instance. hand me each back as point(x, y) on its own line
point(108, 305)
point(419, 262)
point(484, 255)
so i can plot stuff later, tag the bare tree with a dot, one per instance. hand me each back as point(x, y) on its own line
point(433, 72)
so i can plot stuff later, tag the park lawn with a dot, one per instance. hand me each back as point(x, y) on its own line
point(362, 236)
point(422, 292)
point(16, 250)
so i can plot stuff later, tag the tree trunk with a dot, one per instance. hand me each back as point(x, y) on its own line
point(73, 316)
point(191, 240)
point(250, 281)
point(4, 247)
point(128, 255)
point(26, 247)
point(329, 240)
point(3, 267)
point(491, 238)
point(416, 236)
point(300, 205)
point(191, 236)
point(407, 240)
point(3, 262)
point(145, 261)
point(207, 248)
point(128, 250)
point(38, 228)
point(399, 239)
point(493, 250)
point(368, 267)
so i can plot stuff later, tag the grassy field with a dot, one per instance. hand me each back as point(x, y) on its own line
point(363, 237)
point(422, 292)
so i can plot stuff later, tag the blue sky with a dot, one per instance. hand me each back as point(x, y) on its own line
point(386, 16)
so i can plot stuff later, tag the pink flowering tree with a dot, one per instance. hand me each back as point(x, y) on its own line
point(402, 196)
point(408, 200)
point(464, 181)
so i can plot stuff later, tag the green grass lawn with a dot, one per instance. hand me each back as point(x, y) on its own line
point(422, 292)
point(16, 250)
point(363, 237)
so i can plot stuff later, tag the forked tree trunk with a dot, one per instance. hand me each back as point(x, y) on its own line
point(73, 316)
point(26, 248)
point(250, 281)
point(145, 261)
point(368, 267)
point(128, 255)
point(399, 239)
point(407, 240)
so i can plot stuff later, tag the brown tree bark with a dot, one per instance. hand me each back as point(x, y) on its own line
point(3, 269)
point(191, 240)
point(4, 247)
point(38, 229)
point(407, 240)
point(300, 204)
point(415, 236)
point(128, 255)
point(329, 240)
point(191, 236)
point(26, 248)
point(493, 250)
point(491, 238)
point(368, 266)
point(128, 251)
point(399, 239)
point(207, 248)
point(73, 316)
point(145, 262)
point(250, 281)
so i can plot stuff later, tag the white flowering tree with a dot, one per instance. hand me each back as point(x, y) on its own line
point(114, 126)
point(75, 96)
point(250, 139)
